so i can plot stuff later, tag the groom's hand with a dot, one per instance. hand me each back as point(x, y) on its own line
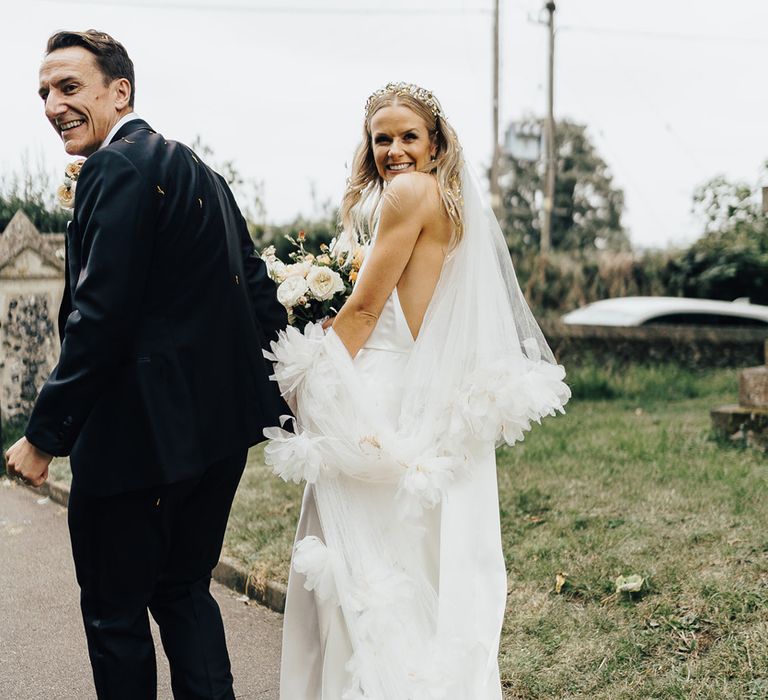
point(24, 461)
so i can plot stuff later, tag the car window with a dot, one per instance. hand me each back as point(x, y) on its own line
point(689, 319)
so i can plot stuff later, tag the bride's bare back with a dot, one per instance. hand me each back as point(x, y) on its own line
point(411, 243)
point(422, 271)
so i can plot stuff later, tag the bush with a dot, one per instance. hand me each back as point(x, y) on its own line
point(727, 265)
point(316, 232)
point(560, 282)
point(12, 430)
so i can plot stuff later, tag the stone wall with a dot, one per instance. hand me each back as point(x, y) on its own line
point(31, 285)
point(690, 346)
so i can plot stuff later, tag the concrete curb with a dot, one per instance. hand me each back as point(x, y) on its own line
point(228, 571)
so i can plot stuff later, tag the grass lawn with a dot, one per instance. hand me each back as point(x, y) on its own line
point(630, 481)
point(636, 485)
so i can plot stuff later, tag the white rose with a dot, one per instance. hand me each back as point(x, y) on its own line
point(66, 196)
point(277, 270)
point(299, 269)
point(268, 255)
point(291, 290)
point(324, 282)
point(72, 171)
point(275, 266)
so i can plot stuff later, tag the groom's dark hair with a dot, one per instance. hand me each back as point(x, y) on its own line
point(111, 56)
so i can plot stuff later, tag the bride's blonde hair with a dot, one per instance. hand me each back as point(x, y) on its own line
point(359, 206)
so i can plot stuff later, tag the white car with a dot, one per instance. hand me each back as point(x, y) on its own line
point(642, 311)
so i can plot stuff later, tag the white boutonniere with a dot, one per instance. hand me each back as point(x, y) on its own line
point(65, 193)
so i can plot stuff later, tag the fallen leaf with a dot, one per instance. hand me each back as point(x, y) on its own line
point(560, 580)
point(629, 584)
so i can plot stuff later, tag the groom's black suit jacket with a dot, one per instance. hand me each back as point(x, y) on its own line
point(157, 377)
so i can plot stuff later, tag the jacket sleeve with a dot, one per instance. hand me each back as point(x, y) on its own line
point(270, 313)
point(115, 214)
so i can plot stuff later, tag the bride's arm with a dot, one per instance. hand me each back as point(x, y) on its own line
point(403, 214)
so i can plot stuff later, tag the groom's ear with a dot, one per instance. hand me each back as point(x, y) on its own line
point(122, 92)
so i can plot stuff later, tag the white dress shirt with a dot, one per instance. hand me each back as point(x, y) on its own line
point(124, 120)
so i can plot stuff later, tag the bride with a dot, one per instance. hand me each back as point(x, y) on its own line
point(398, 583)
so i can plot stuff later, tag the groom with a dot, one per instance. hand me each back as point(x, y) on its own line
point(160, 387)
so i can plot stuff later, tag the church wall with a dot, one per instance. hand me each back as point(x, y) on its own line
point(31, 285)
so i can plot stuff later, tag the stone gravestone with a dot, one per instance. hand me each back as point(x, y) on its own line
point(747, 422)
point(31, 285)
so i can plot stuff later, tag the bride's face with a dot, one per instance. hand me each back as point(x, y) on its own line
point(400, 141)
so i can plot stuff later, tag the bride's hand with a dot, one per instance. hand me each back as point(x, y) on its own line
point(328, 322)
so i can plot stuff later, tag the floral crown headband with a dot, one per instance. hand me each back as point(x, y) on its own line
point(418, 93)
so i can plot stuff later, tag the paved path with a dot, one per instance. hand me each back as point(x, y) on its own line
point(42, 644)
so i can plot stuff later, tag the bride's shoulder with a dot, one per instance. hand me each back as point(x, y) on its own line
point(411, 190)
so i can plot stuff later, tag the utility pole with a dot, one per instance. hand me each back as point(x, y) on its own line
point(549, 193)
point(496, 152)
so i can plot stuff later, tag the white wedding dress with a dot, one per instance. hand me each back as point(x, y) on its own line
point(316, 644)
point(397, 586)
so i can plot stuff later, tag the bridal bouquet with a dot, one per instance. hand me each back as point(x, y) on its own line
point(312, 287)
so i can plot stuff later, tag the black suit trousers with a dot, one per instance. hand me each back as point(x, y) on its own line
point(155, 550)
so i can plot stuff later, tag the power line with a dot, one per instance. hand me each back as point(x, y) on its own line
point(283, 10)
point(673, 36)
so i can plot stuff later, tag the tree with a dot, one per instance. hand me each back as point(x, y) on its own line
point(725, 206)
point(731, 259)
point(320, 228)
point(588, 207)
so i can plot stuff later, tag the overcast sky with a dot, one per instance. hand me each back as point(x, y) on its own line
point(673, 91)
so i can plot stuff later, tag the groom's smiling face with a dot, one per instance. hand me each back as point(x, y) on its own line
point(81, 105)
